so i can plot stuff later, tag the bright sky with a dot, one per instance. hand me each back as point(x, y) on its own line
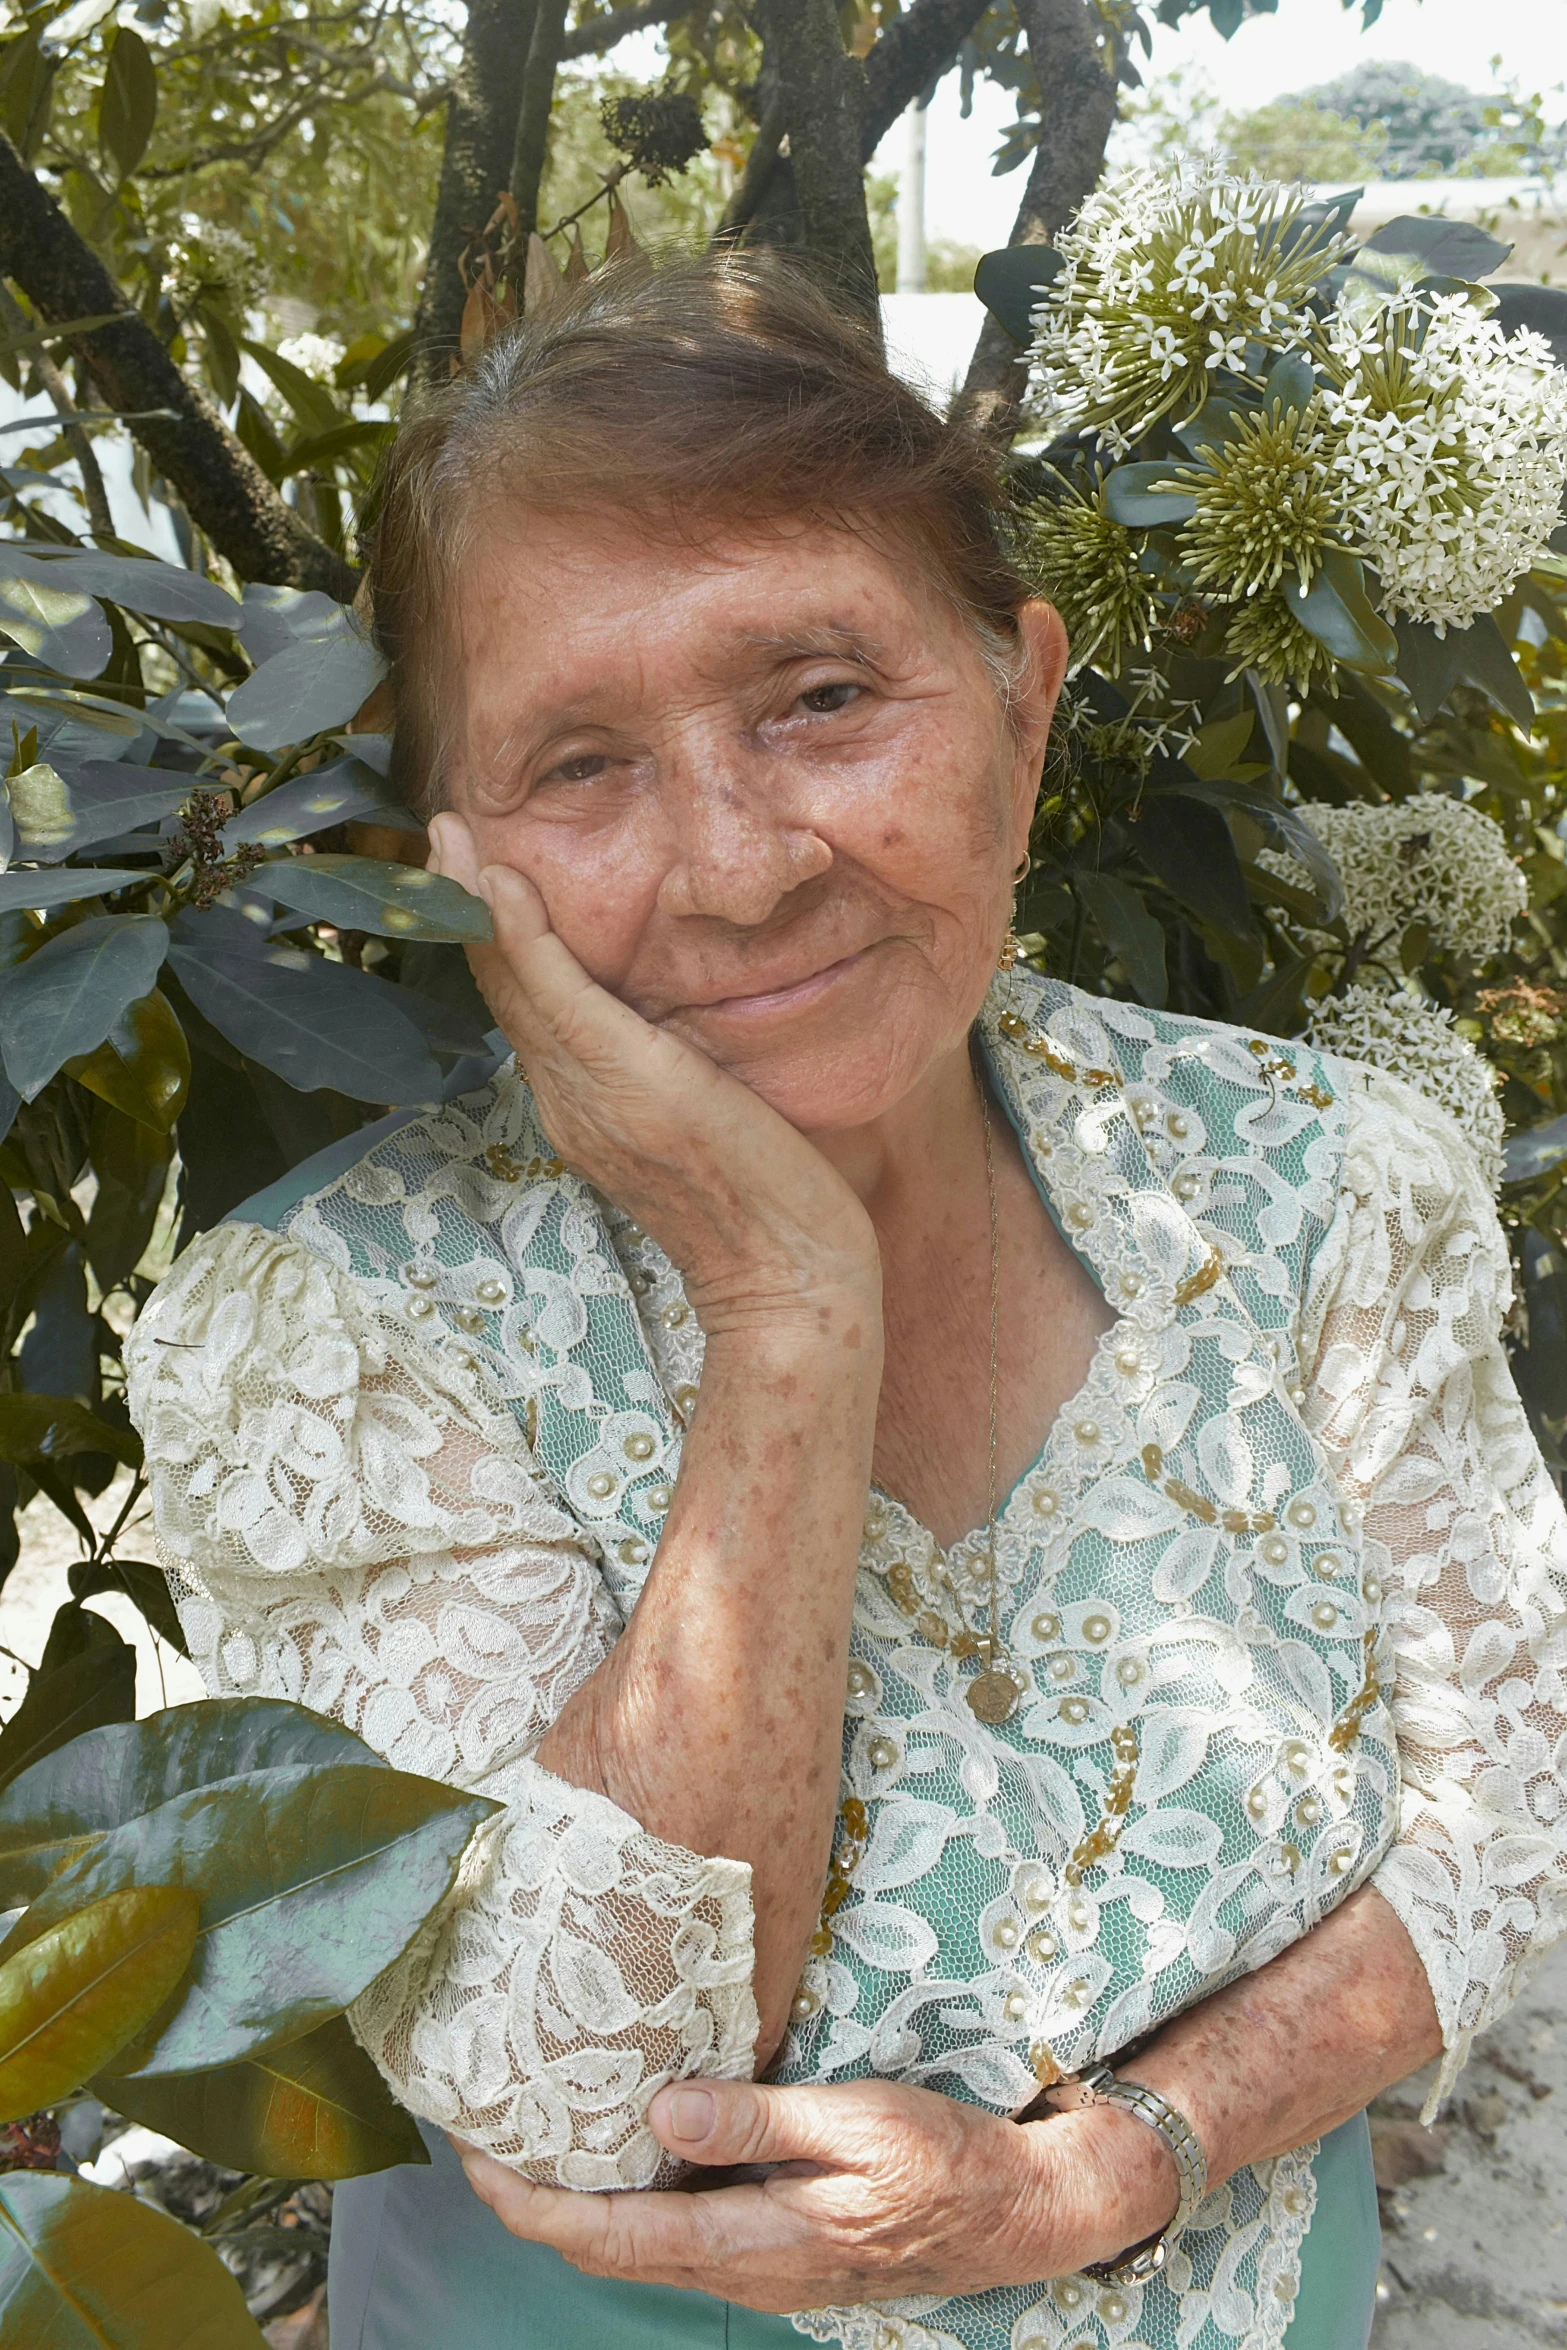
point(1307, 42)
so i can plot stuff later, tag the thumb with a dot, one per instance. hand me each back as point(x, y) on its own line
point(743, 2121)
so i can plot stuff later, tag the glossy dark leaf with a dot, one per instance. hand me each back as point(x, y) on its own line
point(87, 2268)
point(1534, 1151)
point(39, 891)
point(1542, 309)
point(1442, 248)
point(365, 893)
point(1291, 381)
point(143, 1584)
point(1477, 655)
point(1011, 283)
point(319, 682)
point(1274, 1002)
point(86, 1676)
point(1138, 495)
point(312, 1022)
point(1340, 614)
point(311, 403)
point(93, 812)
point(126, 1769)
point(65, 999)
point(311, 1880)
point(142, 1066)
point(1129, 930)
point(71, 2000)
point(345, 788)
point(1540, 1368)
point(1286, 828)
point(59, 626)
point(128, 106)
point(317, 2109)
point(1187, 844)
point(53, 1427)
point(354, 436)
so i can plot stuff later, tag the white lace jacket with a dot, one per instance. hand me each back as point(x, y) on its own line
point(1290, 1565)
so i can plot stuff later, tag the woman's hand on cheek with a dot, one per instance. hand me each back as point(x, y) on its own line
point(883, 2191)
point(759, 1223)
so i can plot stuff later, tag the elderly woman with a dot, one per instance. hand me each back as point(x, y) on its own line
point(980, 1535)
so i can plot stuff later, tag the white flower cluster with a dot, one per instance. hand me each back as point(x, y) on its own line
point(1400, 1032)
point(209, 262)
point(1452, 450)
point(1164, 281)
point(1426, 859)
point(314, 355)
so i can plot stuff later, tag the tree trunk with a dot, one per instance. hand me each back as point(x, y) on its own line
point(1078, 89)
point(224, 490)
point(818, 202)
point(481, 135)
point(916, 49)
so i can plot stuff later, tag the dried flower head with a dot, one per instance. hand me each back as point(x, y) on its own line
point(658, 132)
point(1164, 282)
point(1267, 501)
point(1524, 1014)
point(210, 263)
point(1427, 859)
point(1400, 1032)
point(1452, 450)
point(1086, 563)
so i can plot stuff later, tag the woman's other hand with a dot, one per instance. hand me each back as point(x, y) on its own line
point(882, 2191)
point(759, 1224)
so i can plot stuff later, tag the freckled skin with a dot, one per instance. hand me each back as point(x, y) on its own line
point(747, 819)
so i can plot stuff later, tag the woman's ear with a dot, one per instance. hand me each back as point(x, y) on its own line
point(1045, 652)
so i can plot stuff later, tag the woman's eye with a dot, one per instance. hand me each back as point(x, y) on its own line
point(582, 769)
point(824, 700)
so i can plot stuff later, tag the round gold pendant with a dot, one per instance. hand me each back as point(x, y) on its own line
point(993, 1696)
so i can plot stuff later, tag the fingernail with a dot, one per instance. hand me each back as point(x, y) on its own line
point(691, 2114)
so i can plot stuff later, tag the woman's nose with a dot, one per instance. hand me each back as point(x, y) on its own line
point(737, 854)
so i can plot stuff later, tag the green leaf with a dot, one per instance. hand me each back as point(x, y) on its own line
point(323, 449)
point(317, 2109)
point(1221, 745)
point(142, 1583)
point(364, 893)
point(1290, 382)
point(222, 351)
point(86, 1676)
point(316, 682)
point(312, 1880)
point(65, 998)
point(345, 788)
point(71, 2000)
point(120, 1772)
point(1439, 248)
point(1286, 828)
point(1534, 1152)
point(128, 107)
point(378, 375)
point(103, 800)
point(39, 891)
point(140, 583)
point(1274, 1001)
point(59, 626)
point(142, 1067)
point(1541, 309)
point(1130, 931)
point(1477, 655)
point(87, 2268)
point(311, 402)
point(1187, 844)
point(53, 1427)
point(311, 1022)
point(1133, 495)
point(1341, 615)
point(1012, 282)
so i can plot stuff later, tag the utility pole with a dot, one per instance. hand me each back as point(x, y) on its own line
point(911, 201)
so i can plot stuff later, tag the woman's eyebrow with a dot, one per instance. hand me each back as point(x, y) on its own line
point(803, 644)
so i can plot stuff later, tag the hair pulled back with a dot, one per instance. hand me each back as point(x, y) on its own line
point(703, 391)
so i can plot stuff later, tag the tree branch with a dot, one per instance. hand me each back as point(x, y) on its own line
point(77, 438)
point(591, 40)
point(821, 90)
point(915, 50)
point(1079, 92)
point(481, 134)
point(533, 113)
point(224, 490)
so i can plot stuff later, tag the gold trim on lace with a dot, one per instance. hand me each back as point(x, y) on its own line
point(1102, 1840)
point(1233, 1521)
point(854, 1833)
point(1346, 1729)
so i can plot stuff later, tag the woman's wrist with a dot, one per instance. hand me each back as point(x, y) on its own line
point(1117, 2177)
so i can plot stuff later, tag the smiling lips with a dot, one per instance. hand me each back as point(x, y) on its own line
point(792, 997)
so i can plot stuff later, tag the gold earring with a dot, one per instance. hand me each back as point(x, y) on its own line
point(1012, 946)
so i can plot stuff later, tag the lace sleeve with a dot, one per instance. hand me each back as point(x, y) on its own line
point(345, 1523)
point(1408, 1386)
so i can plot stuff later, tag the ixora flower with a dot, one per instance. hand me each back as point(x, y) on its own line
point(1266, 500)
point(1164, 282)
point(1400, 1032)
point(1086, 563)
point(1427, 859)
point(1451, 450)
point(1264, 634)
point(319, 356)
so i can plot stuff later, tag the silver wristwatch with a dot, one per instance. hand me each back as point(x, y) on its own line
point(1100, 2086)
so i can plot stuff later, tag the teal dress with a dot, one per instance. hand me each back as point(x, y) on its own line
point(1205, 1601)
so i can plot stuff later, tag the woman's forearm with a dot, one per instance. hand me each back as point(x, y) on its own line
point(717, 1720)
point(1276, 2059)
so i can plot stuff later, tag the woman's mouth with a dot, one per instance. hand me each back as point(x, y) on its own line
point(790, 996)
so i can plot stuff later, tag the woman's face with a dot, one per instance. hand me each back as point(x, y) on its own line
point(766, 789)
